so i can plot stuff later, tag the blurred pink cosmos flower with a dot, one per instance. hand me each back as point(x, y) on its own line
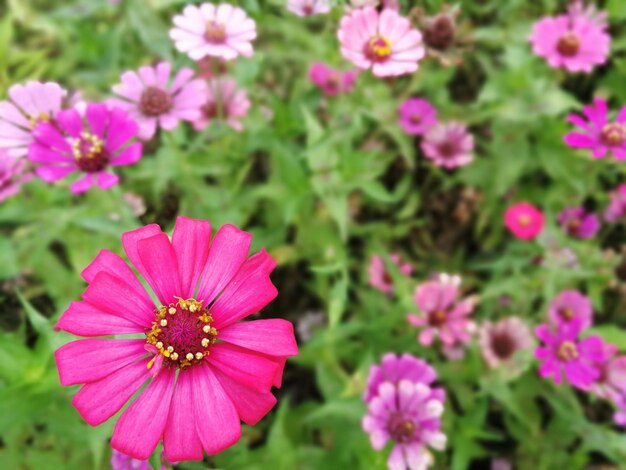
point(308, 7)
point(153, 101)
point(577, 222)
point(563, 352)
point(524, 220)
point(617, 204)
point(332, 82)
point(572, 309)
point(406, 414)
point(222, 31)
point(394, 369)
point(598, 134)
point(87, 144)
point(499, 342)
point(611, 384)
point(417, 115)
point(379, 276)
point(224, 101)
point(448, 145)
point(28, 105)
point(384, 42)
point(120, 461)
point(575, 41)
point(200, 388)
point(13, 175)
point(620, 415)
point(443, 313)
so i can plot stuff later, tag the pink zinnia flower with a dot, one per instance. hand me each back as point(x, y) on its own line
point(224, 101)
point(499, 342)
point(407, 415)
point(13, 175)
point(394, 369)
point(524, 220)
point(598, 134)
point(308, 7)
point(154, 101)
point(574, 41)
point(28, 105)
point(572, 309)
point(617, 204)
point(200, 388)
point(417, 115)
point(89, 144)
point(611, 384)
point(379, 276)
point(578, 222)
point(120, 461)
point(564, 353)
point(444, 314)
point(384, 42)
point(448, 144)
point(332, 82)
point(223, 31)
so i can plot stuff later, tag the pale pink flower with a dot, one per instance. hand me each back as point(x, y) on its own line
point(448, 145)
point(153, 100)
point(611, 384)
point(574, 42)
point(499, 342)
point(379, 276)
point(331, 81)
point(191, 367)
point(571, 308)
point(617, 204)
point(222, 31)
point(13, 175)
point(385, 42)
point(308, 7)
point(28, 105)
point(596, 133)
point(524, 220)
point(417, 115)
point(224, 101)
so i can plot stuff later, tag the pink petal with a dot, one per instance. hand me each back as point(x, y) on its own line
point(228, 252)
point(130, 240)
point(140, 428)
point(82, 184)
point(89, 360)
point(129, 156)
point(578, 140)
point(191, 240)
point(254, 335)
point(83, 319)
point(98, 118)
point(160, 267)
point(250, 290)
point(51, 174)
point(107, 180)
point(98, 401)
point(252, 370)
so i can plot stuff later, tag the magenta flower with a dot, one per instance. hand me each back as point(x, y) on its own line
point(222, 31)
point(577, 222)
point(224, 101)
point(200, 388)
point(89, 145)
point(153, 101)
point(499, 342)
point(443, 313)
point(572, 309)
point(449, 145)
point(417, 115)
point(13, 175)
point(617, 204)
point(524, 220)
point(564, 353)
point(308, 7)
point(620, 415)
point(332, 82)
point(574, 42)
point(379, 276)
point(598, 134)
point(407, 415)
point(611, 384)
point(394, 369)
point(28, 105)
point(384, 42)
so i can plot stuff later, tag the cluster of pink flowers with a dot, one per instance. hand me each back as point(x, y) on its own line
point(588, 363)
point(404, 407)
point(331, 81)
point(379, 276)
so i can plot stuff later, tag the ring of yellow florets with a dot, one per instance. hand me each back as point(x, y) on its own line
point(377, 49)
point(182, 333)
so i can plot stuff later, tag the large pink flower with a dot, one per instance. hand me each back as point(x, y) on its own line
point(571, 308)
point(448, 145)
point(384, 42)
point(89, 145)
point(499, 342)
point(205, 370)
point(222, 31)
point(223, 101)
point(29, 105)
point(152, 100)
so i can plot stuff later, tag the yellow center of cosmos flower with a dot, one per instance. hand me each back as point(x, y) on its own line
point(568, 44)
point(33, 121)
point(613, 134)
point(567, 351)
point(89, 152)
point(215, 32)
point(378, 48)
